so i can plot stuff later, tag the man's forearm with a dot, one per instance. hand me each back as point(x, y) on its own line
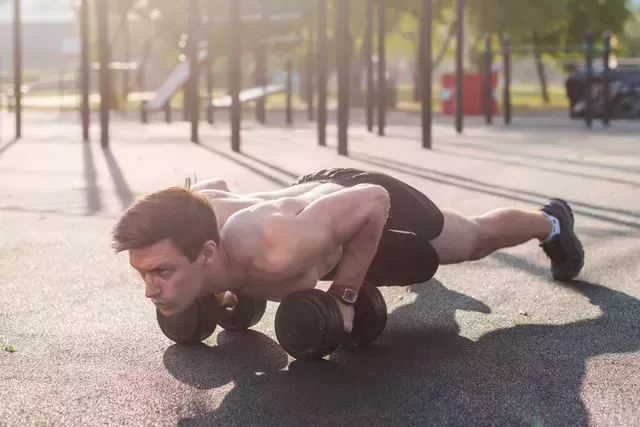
point(360, 251)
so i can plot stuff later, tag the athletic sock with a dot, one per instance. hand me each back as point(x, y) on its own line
point(555, 227)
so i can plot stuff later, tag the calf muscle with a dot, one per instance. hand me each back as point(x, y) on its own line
point(469, 239)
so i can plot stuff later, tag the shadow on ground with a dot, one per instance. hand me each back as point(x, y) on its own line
point(236, 159)
point(125, 195)
point(7, 145)
point(419, 372)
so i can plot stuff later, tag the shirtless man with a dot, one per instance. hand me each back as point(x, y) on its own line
point(340, 225)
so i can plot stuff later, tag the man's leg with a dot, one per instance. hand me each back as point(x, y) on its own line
point(468, 239)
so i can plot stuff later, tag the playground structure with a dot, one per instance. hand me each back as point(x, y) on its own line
point(206, 24)
point(187, 78)
point(180, 76)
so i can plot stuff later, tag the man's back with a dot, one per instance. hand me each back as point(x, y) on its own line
point(258, 227)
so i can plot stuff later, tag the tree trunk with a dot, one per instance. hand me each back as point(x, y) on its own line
point(436, 62)
point(358, 65)
point(540, 68)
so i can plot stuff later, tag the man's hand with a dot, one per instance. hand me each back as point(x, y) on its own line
point(227, 299)
point(348, 313)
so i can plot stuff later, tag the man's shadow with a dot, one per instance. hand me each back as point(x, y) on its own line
point(420, 371)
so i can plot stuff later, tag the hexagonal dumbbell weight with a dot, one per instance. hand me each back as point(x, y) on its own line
point(194, 325)
point(200, 319)
point(243, 315)
point(309, 324)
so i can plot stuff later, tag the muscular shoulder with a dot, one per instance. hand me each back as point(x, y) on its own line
point(242, 241)
point(245, 236)
point(254, 236)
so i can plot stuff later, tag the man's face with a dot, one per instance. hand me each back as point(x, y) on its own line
point(172, 282)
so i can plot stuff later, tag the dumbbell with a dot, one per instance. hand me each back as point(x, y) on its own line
point(309, 324)
point(246, 313)
point(200, 319)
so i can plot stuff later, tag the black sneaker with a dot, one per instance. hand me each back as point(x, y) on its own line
point(565, 250)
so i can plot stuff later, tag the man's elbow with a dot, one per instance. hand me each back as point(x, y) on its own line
point(379, 199)
point(374, 201)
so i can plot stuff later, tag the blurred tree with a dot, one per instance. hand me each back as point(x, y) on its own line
point(557, 22)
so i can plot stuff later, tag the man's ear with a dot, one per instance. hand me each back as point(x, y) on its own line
point(209, 250)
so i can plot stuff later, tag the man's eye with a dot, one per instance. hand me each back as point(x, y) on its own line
point(164, 272)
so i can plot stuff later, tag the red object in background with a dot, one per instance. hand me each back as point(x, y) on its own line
point(473, 94)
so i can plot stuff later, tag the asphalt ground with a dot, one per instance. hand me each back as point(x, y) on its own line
point(491, 342)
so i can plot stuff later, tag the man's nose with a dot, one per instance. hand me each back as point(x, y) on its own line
point(151, 287)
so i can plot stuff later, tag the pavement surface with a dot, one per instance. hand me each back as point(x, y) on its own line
point(491, 342)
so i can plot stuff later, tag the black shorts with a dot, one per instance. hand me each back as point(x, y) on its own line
point(405, 255)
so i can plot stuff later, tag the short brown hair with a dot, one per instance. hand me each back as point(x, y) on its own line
point(183, 216)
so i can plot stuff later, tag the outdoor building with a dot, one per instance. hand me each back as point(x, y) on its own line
point(49, 35)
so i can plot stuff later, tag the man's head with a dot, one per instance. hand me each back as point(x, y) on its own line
point(172, 238)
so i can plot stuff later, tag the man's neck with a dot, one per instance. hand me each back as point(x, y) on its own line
point(222, 276)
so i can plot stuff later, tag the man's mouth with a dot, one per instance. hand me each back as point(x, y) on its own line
point(161, 304)
point(166, 309)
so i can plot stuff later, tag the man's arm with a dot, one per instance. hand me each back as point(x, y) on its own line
point(353, 218)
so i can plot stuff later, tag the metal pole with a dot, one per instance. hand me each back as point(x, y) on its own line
point(194, 69)
point(105, 71)
point(488, 79)
point(369, 64)
point(61, 76)
point(322, 72)
point(343, 50)
point(382, 66)
point(262, 55)
point(426, 74)
point(588, 114)
point(210, 65)
point(85, 69)
point(235, 70)
point(185, 89)
point(460, 16)
point(127, 55)
point(17, 65)
point(540, 66)
point(606, 84)
point(310, 64)
point(506, 54)
point(289, 91)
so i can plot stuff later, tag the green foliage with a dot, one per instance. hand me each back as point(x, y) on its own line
point(559, 22)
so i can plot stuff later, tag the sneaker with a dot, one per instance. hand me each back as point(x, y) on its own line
point(565, 250)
